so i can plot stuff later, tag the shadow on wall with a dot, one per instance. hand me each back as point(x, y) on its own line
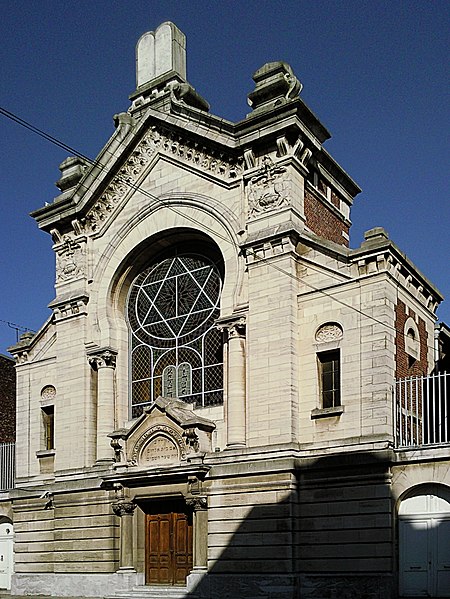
point(329, 538)
point(336, 536)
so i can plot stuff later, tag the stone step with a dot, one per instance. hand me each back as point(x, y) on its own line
point(147, 592)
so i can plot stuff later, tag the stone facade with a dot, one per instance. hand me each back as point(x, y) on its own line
point(181, 396)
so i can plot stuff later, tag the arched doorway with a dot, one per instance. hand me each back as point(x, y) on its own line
point(6, 554)
point(424, 542)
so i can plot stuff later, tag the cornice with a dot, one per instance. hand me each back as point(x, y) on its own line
point(398, 261)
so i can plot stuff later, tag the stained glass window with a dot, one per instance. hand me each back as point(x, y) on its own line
point(175, 349)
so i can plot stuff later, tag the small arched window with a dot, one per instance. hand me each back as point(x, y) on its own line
point(176, 351)
point(412, 340)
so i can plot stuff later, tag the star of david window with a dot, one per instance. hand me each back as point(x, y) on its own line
point(176, 351)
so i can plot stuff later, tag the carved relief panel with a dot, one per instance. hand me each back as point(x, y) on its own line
point(268, 189)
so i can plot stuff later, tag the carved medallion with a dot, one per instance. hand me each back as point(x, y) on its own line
point(268, 189)
point(48, 393)
point(329, 332)
point(70, 259)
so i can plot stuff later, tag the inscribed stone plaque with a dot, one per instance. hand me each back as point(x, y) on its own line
point(160, 451)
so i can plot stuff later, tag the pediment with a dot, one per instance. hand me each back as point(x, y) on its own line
point(156, 142)
point(167, 434)
point(128, 157)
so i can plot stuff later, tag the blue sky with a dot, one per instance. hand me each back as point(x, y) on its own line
point(374, 72)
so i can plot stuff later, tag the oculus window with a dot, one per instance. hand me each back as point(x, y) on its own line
point(176, 351)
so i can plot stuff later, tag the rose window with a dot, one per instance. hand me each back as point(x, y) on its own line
point(176, 351)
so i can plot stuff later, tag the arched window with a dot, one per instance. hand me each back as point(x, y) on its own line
point(176, 351)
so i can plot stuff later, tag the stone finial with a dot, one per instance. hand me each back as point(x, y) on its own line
point(72, 170)
point(275, 84)
point(159, 52)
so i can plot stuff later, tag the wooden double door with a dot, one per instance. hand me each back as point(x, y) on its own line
point(169, 543)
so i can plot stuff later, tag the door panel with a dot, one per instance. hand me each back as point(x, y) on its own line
point(182, 548)
point(168, 548)
point(414, 557)
point(443, 558)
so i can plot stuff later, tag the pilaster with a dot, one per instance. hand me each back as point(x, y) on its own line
point(125, 510)
point(272, 334)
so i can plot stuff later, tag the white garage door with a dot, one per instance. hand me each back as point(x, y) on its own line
point(424, 543)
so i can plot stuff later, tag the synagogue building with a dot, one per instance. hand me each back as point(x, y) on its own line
point(227, 400)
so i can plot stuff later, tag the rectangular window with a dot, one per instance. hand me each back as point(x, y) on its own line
point(329, 378)
point(48, 422)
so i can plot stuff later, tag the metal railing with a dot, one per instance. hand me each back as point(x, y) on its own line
point(422, 410)
point(7, 466)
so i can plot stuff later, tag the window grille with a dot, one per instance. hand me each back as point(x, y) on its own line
point(175, 349)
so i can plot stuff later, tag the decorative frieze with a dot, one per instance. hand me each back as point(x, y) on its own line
point(168, 142)
point(268, 189)
point(271, 248)
point(70, 308)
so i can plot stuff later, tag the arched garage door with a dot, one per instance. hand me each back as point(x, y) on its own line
point(424, 543)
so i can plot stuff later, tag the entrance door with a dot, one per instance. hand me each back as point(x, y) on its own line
point(168, 548)
point(424, 546)
point(6, 555)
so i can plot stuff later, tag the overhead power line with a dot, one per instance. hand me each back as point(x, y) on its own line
point(55, 141)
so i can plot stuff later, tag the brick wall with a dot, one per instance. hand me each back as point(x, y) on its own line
point(403, 366)
point(323, 221)
point(7, 400)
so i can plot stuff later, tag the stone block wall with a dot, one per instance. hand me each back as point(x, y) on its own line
point(66, 533)
point(344, 540)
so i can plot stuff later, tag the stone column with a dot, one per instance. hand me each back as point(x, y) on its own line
point(125, 510)
point(104, 362)
point(200, 559)
point(236, 392)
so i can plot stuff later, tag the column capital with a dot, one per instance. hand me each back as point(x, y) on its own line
point(102, 357)
point(197, 502)
point(234, 325)
point(123, 508)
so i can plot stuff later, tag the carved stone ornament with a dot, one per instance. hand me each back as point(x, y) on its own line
point(329, 332)
point(103, 359)
point(233, 326)
point(118, 450)
point(48, 393)
point(191, 438)
point(123, 508)
point(70, 259)
point(197, 503)
point(158, 140)
point(160, 445)
point(268, 189)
